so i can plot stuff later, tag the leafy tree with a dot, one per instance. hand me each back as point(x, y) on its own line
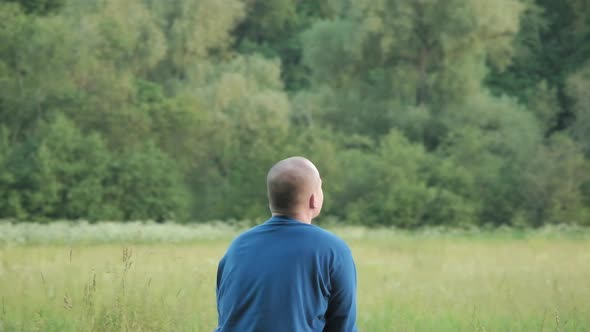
point(554, 181)
point(392, 187)
point(384, 57)
point(544, 103)
point(273, 29)
point(526, 69)
point(553, 41)
point(249, 128)
point(145, 184)
point(17, 29)
point(578, 86)
point(9, 197)
point(126, 36)
point(40, 7)
point(267, 20)
point(193, 29)
point(484, 148)
point(59, 173)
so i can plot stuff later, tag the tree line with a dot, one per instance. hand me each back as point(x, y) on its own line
point(429, 112)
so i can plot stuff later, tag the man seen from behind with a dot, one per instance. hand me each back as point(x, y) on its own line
point(287, 275)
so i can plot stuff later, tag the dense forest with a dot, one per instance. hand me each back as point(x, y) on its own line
point(426, 112)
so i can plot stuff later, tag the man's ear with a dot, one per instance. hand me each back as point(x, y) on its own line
point(312, 202)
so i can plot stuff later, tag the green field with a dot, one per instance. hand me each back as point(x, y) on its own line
point(136, 277)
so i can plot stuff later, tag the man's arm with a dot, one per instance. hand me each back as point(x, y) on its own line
point(218, 284)
point(341, 313)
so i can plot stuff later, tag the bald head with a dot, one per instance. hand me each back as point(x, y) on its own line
point(291, 184)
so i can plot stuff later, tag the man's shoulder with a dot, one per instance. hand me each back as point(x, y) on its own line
point(247, 233)
point(329, 241)
point(328, 236)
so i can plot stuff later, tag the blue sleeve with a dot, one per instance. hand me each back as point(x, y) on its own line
point(219, 275)
point(341, 313)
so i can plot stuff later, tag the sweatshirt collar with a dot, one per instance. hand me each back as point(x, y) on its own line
point(284, 219)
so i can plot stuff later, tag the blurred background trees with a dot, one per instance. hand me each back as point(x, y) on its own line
point(417, 113)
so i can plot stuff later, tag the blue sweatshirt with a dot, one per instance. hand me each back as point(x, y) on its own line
point(286, 276)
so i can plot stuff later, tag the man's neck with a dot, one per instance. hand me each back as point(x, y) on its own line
point(299, 216)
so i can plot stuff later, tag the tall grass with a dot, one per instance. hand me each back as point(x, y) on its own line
point(64, 232)
point(151, 277)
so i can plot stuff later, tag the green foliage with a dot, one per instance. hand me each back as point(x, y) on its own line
point(399, 185)
point(496, 140)
point(63, 173)
point(551, 45)
point(274, 28)
point(431, 112)
point(381, 60)
point(193, 30)
point(553, 184)
point(395, 192)
point(544, 103)
point(127, 36)
point(247, 133)
point(58, 174)
point(422, 52)
point(40, 7)
point(578, 86)
point(267, 20)
point(145, 184)
point(8, 197)
point(523, 73)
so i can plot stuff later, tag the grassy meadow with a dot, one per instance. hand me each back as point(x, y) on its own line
point(149, 277)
